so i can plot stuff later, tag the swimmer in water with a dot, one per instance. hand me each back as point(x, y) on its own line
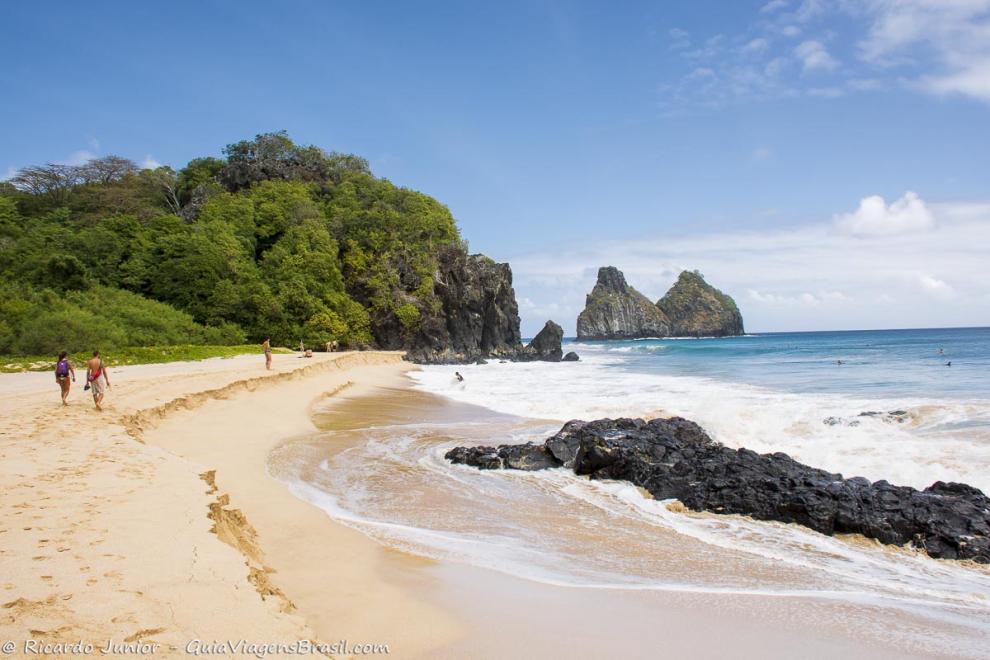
point(838, 361)
point(948, 364)
point(460, 378)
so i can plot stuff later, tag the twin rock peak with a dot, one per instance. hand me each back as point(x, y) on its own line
point(691, 308)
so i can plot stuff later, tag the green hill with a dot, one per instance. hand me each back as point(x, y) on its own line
point(273, 240)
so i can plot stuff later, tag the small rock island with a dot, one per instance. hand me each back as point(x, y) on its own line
point(691, 308)
point(615, 310)
point(697, 309)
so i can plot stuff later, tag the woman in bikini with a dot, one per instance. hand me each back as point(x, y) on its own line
point(63, 369)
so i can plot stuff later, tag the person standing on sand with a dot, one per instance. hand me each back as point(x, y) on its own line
point(63, 368)
point(98, 378)
point(266, 346)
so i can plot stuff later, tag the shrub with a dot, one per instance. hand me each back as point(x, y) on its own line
point(77, 330)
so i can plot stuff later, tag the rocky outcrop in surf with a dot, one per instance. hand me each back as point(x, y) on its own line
point(675, 459)
point(546, 345)
point(697, 309)
point(615, 310)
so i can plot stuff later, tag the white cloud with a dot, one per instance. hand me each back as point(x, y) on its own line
point(806, 298)
point(810, 10)
point(973, 80)
point(757, 45)
point(80, 157)
point(937, 47)
point(814, 56)
point(773, 6)
point(934, 286)
point(149, 163)
point(775, 66)
point(875, 218)
point(953, 35)
point(678, 38)
point(812, 277)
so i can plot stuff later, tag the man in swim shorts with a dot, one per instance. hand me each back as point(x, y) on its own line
point(98, 378)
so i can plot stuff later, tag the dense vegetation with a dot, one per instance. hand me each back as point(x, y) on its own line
point(274, 240)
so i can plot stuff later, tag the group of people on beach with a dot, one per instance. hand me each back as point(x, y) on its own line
point(97, 377)
point(266, 347)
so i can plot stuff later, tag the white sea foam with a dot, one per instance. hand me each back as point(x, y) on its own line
point(937, 442)
point(384, 486)
point(554, 527)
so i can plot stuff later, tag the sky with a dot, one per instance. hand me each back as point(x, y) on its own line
point(825, 162)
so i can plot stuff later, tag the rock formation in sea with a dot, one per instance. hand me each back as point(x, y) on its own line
point(691, 308)
point(478, 317)
point(697, 309)
point(546, 345)
point(675, 459)
point(615, 310)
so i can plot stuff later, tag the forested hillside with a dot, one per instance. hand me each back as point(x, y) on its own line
point(273, 240)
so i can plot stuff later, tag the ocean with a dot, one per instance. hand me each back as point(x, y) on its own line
point(767, 392)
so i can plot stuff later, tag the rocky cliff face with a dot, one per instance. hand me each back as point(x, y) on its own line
point(697, 309)
point(479, 317)
point(675, 458)
point(615, 310)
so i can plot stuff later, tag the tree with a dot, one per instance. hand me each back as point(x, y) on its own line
point(164, 182)
point(52, 180)
point(274, 156)
point(106, 170)
point(200, 173)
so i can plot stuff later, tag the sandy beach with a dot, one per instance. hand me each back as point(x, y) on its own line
point(155, 521)
point(163, 521)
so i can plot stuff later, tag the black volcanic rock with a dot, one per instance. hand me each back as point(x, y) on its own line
point(697, 309)
point(570, 357)
point(675, 458)
point(615, 310)
point(545, 345)
point(479, 317)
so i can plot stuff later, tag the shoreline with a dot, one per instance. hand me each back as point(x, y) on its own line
point(156, 521)
point(127, 548)
point(492, 599)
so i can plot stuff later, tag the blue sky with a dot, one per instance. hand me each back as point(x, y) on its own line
point(750, 140)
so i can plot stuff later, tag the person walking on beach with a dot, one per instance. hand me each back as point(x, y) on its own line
point(63, 369)
point(97, 378)
point(266, 346)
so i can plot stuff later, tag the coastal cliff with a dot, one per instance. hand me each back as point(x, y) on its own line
point(615, 310)
point(697, 309)
point(477, 316)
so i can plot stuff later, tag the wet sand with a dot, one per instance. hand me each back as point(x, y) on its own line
point(506, 616)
